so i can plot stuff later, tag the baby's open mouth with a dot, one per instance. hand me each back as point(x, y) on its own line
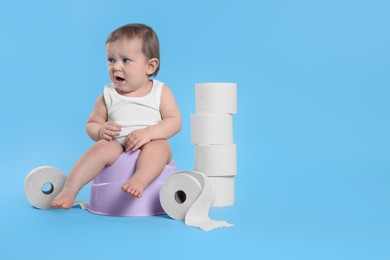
point(120, 79)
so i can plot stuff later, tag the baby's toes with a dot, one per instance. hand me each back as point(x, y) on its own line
point(133, 191)
point(139, 193)
point(125, 187)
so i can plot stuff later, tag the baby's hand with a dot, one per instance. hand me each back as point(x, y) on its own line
point(109, 130)
point(137, 138)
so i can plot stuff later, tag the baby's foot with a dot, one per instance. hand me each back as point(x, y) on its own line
point(134, 187)
point(65, 198)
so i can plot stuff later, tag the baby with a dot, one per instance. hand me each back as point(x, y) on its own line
point(134, 112)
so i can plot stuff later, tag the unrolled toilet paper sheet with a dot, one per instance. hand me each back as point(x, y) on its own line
point(219, 98)
point(216, 160)
point(188, 196)
point(211, 129)
point(53, 178)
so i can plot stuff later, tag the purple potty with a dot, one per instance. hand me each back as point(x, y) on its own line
point(107, 197)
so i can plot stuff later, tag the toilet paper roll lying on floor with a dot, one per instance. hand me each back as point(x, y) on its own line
point(188, 196)
point(224, 190)
point(216, 160)
point(211, 129)
point(42, 185)
point(216, 98)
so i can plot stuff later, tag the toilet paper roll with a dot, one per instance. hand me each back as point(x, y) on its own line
point(188, 196)
point(211, 129)
point(216, 98)
point(42, 185)
point(224, 190)
point(34, 183)
point(216, 160)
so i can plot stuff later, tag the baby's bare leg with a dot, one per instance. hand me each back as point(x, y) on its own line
point(86, 169)
point(152, 160)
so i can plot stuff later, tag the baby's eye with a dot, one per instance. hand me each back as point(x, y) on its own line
point(126, 60)
point(110, 60)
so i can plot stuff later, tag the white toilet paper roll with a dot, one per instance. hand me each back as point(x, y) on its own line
point(42, 185)
point(211, 129)
point(216, 160)
point(189, 195)
point(216, 98)
point(224, 190)
point(36, 181)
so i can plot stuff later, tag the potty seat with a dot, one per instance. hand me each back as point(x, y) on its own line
point(107, 197)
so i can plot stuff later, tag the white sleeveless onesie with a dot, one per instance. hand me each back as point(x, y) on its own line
point(133, 112)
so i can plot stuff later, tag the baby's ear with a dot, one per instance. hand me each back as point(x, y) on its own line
point(152, 66)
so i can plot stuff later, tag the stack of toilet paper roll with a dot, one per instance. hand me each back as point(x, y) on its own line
point(212, 135)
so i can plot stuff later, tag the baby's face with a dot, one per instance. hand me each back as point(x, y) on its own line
point(127, 65)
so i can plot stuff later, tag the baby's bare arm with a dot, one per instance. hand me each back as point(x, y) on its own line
point(97, 118)
point(171, 117)
point(97, 125)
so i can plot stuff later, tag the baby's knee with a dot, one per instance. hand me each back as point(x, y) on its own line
point(157, 144)
point(108, 150)
point(103, 145)
point(102, 142)
point(160, 147)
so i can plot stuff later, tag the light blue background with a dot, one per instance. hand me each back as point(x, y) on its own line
point(312, 127)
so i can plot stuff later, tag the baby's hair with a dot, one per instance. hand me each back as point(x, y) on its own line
point(150, 43)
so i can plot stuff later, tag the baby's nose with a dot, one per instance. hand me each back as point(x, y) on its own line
point(117, 66)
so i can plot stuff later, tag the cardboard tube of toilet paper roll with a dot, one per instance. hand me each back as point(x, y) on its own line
point(42, 185)
point(211, 129)
point(188, 196)
point(224, 190)
point(216, 98)
point(216, 160)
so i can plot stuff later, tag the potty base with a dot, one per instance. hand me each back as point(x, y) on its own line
point(107, 197)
